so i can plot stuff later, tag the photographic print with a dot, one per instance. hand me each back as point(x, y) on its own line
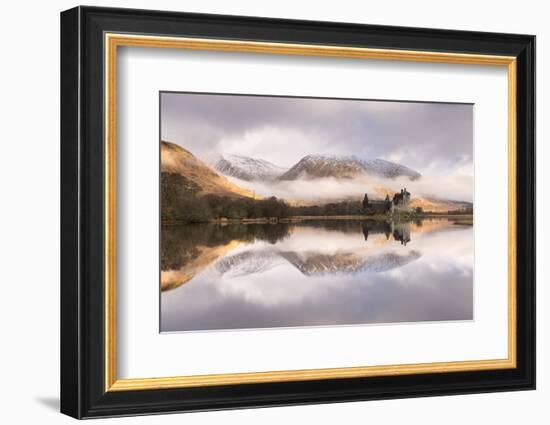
point(297, 212)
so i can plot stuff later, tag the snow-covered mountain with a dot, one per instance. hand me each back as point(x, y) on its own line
point(346, 167)
point(246, 168)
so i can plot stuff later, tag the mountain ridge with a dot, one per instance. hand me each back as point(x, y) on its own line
point(247, 168)
point(346, 167)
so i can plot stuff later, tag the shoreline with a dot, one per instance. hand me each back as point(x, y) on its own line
point(300, 218)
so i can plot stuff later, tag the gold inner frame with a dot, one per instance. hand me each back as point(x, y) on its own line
point(113, 41)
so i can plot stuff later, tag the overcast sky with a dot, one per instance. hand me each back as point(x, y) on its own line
point(431, 138)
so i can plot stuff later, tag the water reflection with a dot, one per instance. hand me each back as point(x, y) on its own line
point(314, 273)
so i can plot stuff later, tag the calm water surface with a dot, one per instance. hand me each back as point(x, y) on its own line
point(315, 273)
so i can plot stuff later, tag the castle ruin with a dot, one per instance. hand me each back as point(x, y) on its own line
point(400, 202)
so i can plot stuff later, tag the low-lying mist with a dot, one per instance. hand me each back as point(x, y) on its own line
point(310, 191)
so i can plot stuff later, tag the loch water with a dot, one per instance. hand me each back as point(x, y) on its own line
point(315, 273)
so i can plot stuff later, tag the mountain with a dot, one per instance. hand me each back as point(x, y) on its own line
point(175, 159)
point(246, 168)
point(346, 167)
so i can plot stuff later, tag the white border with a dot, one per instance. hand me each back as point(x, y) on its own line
point(143, 352)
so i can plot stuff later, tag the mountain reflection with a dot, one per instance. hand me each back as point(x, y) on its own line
point(181, 244)
point(190, 249)
point(233, 276)
point(312, 263)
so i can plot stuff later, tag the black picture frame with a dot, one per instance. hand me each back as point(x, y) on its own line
point(83, 392)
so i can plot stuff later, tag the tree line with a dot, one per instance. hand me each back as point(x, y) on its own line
point(180, 202)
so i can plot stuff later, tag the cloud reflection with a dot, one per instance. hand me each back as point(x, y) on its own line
point(328, 276)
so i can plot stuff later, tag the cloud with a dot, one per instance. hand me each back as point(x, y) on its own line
point(278, 139)
point(455, 187)
point(414, 133)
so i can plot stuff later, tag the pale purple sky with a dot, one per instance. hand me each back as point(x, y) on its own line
point(432, 138)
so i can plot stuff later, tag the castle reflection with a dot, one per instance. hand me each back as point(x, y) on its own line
point(400, 231)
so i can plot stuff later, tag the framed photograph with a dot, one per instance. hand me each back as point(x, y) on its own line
point(261, 212)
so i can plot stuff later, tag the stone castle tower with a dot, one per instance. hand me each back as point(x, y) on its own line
point(402, 200)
